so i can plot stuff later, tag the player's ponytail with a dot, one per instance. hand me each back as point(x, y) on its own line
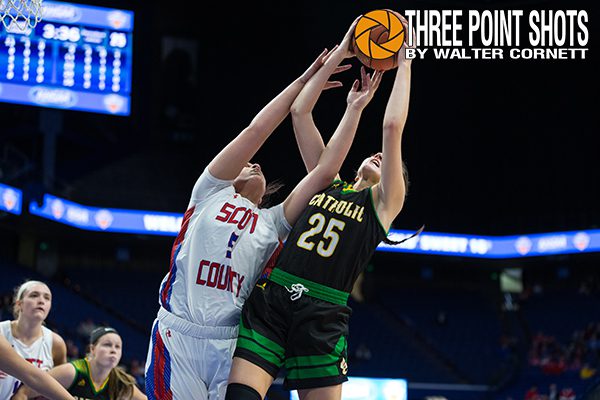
point(270, 192)
point(120, 384)
point(394, 242)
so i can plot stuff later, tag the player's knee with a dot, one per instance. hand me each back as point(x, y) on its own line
point(239, 391)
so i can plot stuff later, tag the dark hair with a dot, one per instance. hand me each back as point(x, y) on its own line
point(270, 192)
point(393, 242)
point(99, 332)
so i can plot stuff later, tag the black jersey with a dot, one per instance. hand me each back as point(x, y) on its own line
point(334, 238)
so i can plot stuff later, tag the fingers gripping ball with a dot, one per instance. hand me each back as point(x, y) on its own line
point(377, 39)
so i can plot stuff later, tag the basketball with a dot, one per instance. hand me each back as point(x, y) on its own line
point(377, 39)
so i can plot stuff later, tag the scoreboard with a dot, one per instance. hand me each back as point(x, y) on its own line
point(77, 58)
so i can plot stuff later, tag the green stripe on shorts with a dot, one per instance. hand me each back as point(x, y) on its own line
point(325, 359)
point(260, 345)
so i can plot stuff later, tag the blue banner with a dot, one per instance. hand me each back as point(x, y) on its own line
point(107, 219)
point(434, 243)
point(538, 244)
point(10, 199)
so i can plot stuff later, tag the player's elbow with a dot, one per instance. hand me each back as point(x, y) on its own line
point(393, 126)
point(324, 176)
point(298, 110)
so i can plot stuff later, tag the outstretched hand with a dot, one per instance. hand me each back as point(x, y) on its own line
point(362, 91)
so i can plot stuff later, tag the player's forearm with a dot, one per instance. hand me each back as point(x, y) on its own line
point(45, 385)
point(396, 111)
point(338, 146)
point(309, 140)
point(276, 110)
point(230, 161)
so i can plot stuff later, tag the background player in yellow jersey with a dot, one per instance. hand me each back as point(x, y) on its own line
point(96, 377)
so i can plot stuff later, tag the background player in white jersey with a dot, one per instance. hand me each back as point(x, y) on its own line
point(27, 335)
point(223, 245)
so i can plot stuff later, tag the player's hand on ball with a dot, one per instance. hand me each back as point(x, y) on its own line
point(362, 91)
point(346, 45)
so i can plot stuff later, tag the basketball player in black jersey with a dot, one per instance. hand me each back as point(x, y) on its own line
point(299, 319)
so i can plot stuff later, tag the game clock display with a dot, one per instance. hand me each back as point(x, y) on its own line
point(77, 58)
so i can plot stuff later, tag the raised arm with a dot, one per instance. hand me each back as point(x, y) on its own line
point(307, 135)
point(337, 148)
point(389, 193)
point(236, 155)
point(13, 364)
point(309, 140)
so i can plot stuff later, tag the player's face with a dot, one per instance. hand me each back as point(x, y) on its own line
point(36, 302)
point(251, 181)
point(370, 169)
point(107, 350)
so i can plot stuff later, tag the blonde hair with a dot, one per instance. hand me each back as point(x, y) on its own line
point(120, 384)
point(20, 293)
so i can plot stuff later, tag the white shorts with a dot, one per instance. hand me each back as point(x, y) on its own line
point(188, 361)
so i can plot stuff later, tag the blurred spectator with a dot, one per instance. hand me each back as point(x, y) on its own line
point(72, 350)
point(85, 328)
point(5, 306)
point(587, 371)
point(567, 394)
point(363, 353)
point(552, 392)
point(441, 318)
point(532, 393)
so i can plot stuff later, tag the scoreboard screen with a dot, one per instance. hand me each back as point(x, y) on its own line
point(77, 58)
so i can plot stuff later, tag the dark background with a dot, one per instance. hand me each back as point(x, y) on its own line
point(492, 147)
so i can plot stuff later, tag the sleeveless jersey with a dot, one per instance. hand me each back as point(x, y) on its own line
point(82, 387)
point(222, 247)
point(39, 353)
point(334, 238)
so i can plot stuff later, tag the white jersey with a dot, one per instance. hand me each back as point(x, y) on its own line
point(223, 245)
point(39, 353)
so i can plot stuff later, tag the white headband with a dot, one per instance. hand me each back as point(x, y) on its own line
point(26, 286)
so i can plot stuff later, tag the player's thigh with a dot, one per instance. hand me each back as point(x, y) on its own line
point(217, 362)
point(250, 374)
point(323, 393)
point(172, 366)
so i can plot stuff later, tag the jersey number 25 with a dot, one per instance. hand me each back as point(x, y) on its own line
point(330, 238)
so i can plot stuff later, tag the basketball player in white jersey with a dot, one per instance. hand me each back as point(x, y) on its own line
point(225, 241)
point(27, 335)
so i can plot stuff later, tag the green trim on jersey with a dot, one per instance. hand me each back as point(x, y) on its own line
point(387, 231)
point(83, 386)
point(316, 290)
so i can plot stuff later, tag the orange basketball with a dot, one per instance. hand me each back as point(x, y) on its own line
point(378, 37)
